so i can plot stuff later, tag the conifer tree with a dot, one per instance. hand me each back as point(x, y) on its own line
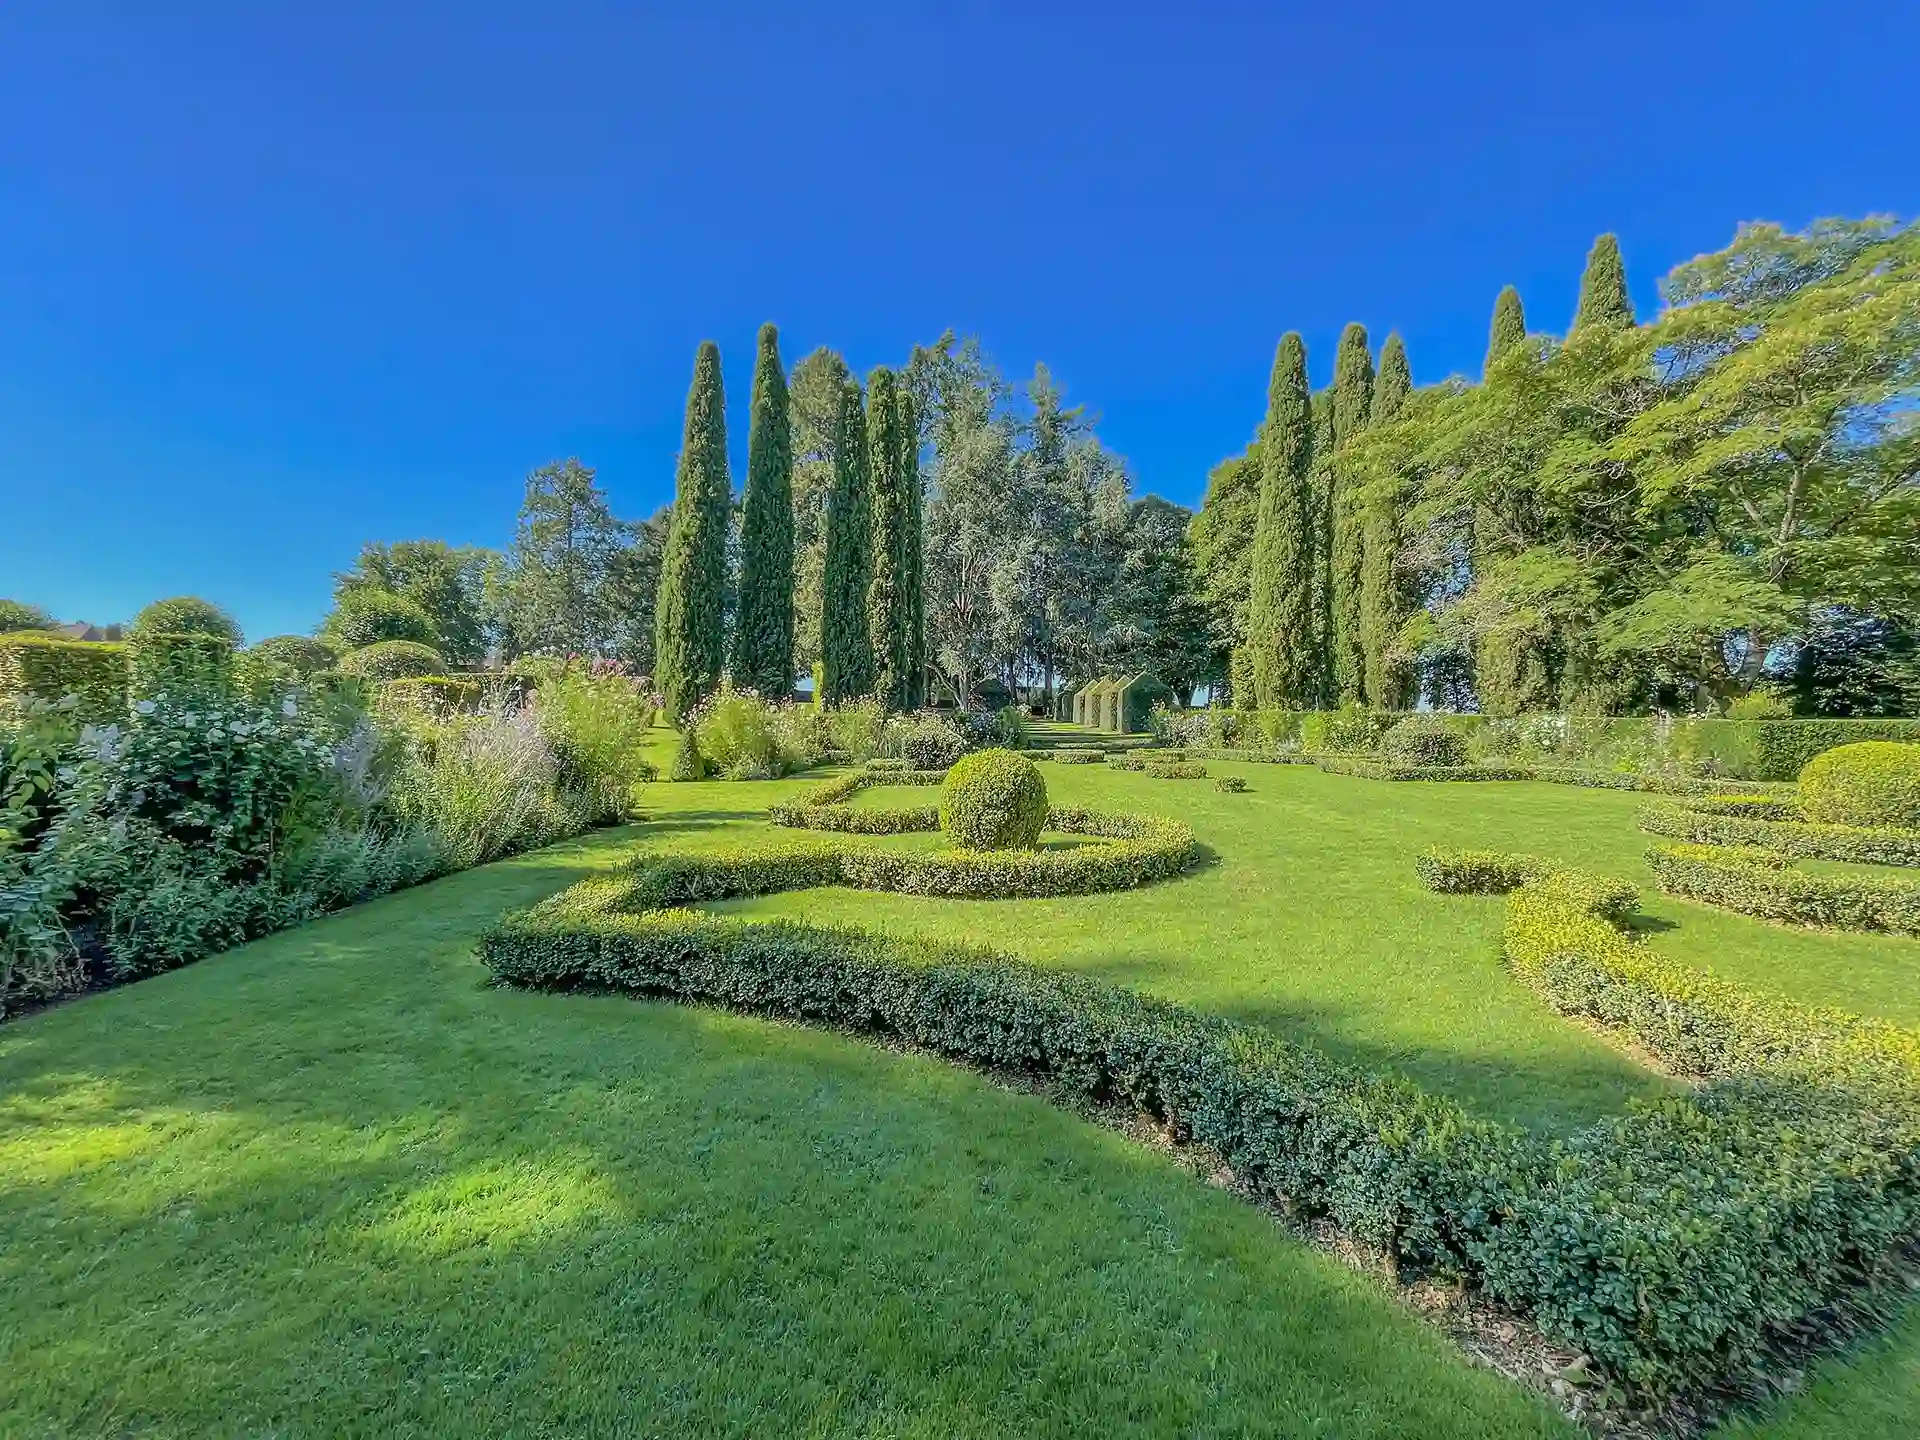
point(1280, 629)
point(690, 616)
point(1320, 526)
point(1510, 672)
point(1383, 604)
point(887, 598)
point(913, 552)
point(1509, 326)
point(763, 621)
point(846, 649)
point(1604, 304)
point(1352, 401)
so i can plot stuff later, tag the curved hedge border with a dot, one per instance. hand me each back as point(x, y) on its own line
point(1778, 825)
point(1669, 1243)
point(1760, 882)
point(1142, 848)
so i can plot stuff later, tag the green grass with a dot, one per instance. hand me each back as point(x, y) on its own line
point(330, 1184)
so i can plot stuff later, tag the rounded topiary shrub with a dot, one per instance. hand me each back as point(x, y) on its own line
point(932, 742)
point(994, 800)
point(1424, 740)
point(394, 660)
point(185, 615)
point(367, 616)
point(1874, 782)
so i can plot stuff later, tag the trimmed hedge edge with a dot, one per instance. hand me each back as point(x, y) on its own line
point(1778, 825)
point(1761, 882)
point(1670, 1243)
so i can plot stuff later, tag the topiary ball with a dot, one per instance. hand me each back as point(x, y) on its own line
point(393, 660)
point(1873, 782)
point(994, 800)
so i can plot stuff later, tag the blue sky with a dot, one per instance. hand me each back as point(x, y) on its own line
point(278, 278)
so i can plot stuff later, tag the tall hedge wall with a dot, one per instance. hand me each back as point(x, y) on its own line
point(1739, 749)
point(37, 666)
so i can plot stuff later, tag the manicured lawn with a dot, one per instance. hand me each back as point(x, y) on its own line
point(331, 1184)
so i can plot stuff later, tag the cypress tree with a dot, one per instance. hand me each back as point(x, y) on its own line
point(913, 551)
point(1352, 402)
point(1510, 671)
point(846, 650)
point(1382, 602)
point(763, 621)
point(887, 598)
point(1320, 525)
point(1509, 326)
point(1604, 304)
point(689, 616)
point(1280, 629)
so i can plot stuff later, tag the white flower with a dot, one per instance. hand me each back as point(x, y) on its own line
point(288, 708)
point(144, 707)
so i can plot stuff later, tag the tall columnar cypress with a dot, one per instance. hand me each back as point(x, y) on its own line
point(846, 649)
point(763, 621)
point(1511, 674)
point(1352, 403)
point(913, 550)
point(1509, 326)
point(1604, 304)
point(888, 604)
point(1320, 526)
point(689, 617)
point(1383, 601)
point(1280, 620)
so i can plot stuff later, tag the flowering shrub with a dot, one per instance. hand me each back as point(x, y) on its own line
point(597, 723)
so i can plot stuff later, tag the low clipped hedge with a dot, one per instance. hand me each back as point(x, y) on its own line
point(1176, 770)
point(1478, 872)
point(1368, 769)
point(1872, 784)
point(1251, 757)
point(1760, 882)
point(1776, 825)
point(994, 800)
point(37, 667)
point(1230, 785)
point(1500, 872)
point(1072, 757)
point(1671, 1243)
point(1142, 848)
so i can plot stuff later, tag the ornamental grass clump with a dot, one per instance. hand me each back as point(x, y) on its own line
point(1874, 782)
point(994, 800)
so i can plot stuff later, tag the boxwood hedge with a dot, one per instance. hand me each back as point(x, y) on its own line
point(1776, 825)
point(1760, 882)
point(1671, 1243)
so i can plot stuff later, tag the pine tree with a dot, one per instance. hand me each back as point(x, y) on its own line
point(913, 552)
point(1510, 672)
point(1383, 603)
point(1604, 304)
point(763, 623)
point(1280, 628)
point(689, 618)
point(1509, 326)
point(846, 649)
point(1352, 401)
point(887, 598)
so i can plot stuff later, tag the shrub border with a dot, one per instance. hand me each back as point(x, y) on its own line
point(1671, 1243)
point(1761, 882)
point(1777, 825)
